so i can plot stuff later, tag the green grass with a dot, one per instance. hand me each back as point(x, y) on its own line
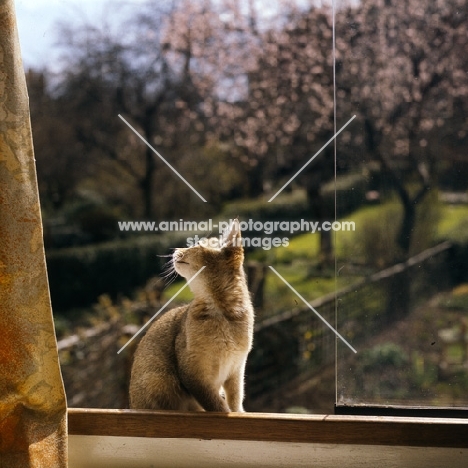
point(347, 244)
point(453, 223)
point(183, 297)
point(302, 247)
point(280, 297)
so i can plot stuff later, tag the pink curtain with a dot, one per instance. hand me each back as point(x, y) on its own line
point(33, 424)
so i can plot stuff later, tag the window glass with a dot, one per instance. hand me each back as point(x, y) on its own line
point(401, 69)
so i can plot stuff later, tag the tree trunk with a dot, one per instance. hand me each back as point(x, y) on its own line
point(407, 226)
point(146, 183)
point(399, 297)
point(319, 212)
point(255, 180)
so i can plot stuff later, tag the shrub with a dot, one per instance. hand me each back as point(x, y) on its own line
point(378, 236)
point(386, 354)
point(77, 276)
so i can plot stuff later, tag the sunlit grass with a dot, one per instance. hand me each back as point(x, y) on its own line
point(303, 247)
point(280, 297)
point(453, 222)
point(183, 297)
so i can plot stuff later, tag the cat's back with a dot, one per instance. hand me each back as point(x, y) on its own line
point(153, 382)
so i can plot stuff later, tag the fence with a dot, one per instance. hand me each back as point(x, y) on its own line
point(93, 375)
point(294, 344)
point(297, 343)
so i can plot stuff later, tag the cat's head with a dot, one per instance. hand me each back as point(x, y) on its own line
point(212, 261)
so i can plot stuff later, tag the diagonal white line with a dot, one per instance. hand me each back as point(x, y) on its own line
point(312, 158)
point(160, 157)
point(313, 310)
point(160, 310)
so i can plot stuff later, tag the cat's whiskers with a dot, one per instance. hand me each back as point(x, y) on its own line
point(169, 272)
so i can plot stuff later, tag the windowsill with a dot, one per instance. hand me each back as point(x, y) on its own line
point(138, 439)
point(321, 429)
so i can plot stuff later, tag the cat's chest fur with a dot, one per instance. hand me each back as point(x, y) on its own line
point(217, 342)
point(232, 331)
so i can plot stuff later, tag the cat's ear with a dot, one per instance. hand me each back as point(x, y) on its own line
point(232, 235)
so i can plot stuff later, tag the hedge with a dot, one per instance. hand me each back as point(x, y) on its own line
point(77, 276)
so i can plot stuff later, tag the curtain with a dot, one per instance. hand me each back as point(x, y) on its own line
point(33, 424)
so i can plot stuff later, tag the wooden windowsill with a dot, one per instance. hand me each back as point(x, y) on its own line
point(312, 429)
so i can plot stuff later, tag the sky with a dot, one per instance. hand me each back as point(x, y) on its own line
point(37, 21)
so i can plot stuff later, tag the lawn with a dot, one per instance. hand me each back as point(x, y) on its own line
point(453, 223)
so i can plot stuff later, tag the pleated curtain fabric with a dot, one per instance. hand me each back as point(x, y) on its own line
point(33, 413)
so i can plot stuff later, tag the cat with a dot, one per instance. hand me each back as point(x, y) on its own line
point(193, 357)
